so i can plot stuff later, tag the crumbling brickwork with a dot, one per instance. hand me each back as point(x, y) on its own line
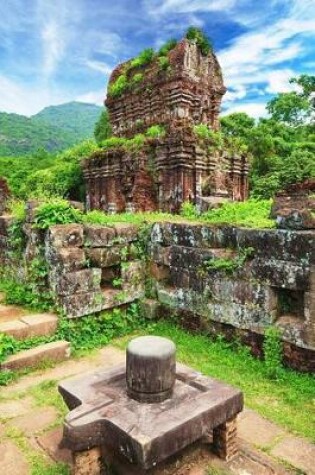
point(178, 166)
point(272, 285)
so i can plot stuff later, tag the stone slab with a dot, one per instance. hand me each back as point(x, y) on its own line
point(35, 421)
point(102, 414)
point(298, 452)
point(56, 351)
point(40, 324)
point(15, 328)
point(11, 409)
point(50, 443)
point(257, 430)
point(12, 461)
point(10, 312)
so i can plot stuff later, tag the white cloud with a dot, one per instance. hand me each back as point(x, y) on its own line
point(254, 109)
point(259, 55)
point(188, 6)
point(93, 97)
point(100, 66)
point(278, 81)
point(55, 21)
point(26, 100)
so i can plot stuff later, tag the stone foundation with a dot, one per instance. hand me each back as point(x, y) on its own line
point(94, 268)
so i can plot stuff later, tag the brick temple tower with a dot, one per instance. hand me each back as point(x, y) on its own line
point(178, 93)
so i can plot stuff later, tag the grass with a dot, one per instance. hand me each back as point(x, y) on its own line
point(38, 463)
point(251, 214)
point(288, 401)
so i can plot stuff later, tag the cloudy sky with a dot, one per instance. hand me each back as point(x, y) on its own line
point(55, 51)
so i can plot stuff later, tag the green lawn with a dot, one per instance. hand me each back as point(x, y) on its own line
point(289, 401)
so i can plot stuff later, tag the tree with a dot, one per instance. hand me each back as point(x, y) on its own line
point(296, 107)
point(103, 128)
point(238, 124)
point(290, 108)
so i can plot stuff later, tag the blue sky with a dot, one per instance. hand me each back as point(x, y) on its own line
point(55, 51)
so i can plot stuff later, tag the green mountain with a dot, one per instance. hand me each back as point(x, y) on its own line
point(55, 128)
point(76, 118)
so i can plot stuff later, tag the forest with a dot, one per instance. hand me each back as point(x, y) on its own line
point(281, 149)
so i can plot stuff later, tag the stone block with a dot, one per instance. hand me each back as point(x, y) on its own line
point(56, 351)
point(15, 328)
point(86, 280)
point(83, 303)
point(133, 274)
point(67, 259)
point(66, 235)
point(149, 308)
point(279, 244)
point(104, 257)
point(40, 324)
point(96, 235)
point(281, 274)
point(159, 271)
point(160, 254)
point(126, 232)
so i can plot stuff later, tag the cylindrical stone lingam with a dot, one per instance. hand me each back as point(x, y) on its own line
point(150, 368)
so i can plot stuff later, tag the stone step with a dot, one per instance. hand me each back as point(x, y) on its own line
point(55, 351)
point(29, 326)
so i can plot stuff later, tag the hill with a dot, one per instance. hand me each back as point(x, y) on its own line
point(55, 128)
point(76, 118)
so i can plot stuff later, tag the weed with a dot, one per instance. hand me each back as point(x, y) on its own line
point(273, 352)
point(119, 86)
point(196, 34)
point(56, 212)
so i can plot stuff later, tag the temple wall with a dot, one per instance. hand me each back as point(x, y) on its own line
point(273, 286)
point(219, 280)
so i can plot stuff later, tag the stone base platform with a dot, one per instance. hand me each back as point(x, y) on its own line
point(103, 419)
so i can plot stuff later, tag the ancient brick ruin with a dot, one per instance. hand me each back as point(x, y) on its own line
point(97, 267)
point(178, 166)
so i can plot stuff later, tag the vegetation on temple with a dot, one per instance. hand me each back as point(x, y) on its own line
point(282, 149)
point(129, 76)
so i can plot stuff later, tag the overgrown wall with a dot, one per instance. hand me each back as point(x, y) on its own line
point(223, 280)
point(239, 281)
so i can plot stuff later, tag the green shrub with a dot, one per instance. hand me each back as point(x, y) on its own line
point(7, 346)
point(273, 351)
point(188, 210)
point(196, 34)
point(144, 58)
point(136, 78)
point(155, 131)
point(164, 63)
point(252, 213)
point(167, 47)
point(56, 212)
point(119, 86)
point(230, 265)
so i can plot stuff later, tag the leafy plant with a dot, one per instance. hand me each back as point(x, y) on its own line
point(119, 86)
point(167, 47)
point(197, 35)
point(136, 78)
point(155, 131)
point(228, 265)
point(144, 58)
point(164, 63)
point(56, 212)
point(273, 352)
point(188, 210)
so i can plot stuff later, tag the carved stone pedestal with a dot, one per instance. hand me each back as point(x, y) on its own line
point(225, 439)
